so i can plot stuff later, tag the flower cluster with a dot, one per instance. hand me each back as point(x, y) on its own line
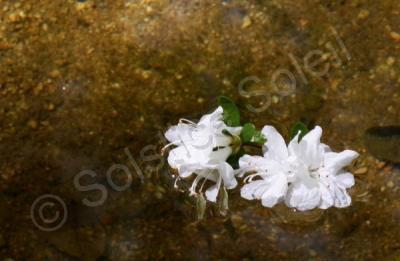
point(305, 174)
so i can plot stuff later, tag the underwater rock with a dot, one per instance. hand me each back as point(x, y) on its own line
point(384, 142)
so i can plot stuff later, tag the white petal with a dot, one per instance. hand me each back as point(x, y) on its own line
point(345, 180)
point(303, 197)
point(294, 147)
point(314, 135)
point(270, 190)
point(249, 163)
point(326, 197)
point(275, 147)
point(177, 132)
point(342, 199)
point(337, 161)
point(185, 170)
point(212, 118)
point(212, 193)
point(220, 155)
point(311, 151)
point(276, 191)
point(227, 175)
point(178, 156)
point(248, 191)
point(234, 130)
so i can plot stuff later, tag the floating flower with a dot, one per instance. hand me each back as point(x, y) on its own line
point(274, 170)
point(305, 174)
point(320, 179)
point(202, 149)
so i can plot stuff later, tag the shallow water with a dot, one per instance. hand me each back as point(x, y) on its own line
point(85, 85)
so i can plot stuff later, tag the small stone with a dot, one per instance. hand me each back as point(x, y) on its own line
point(381, 164)
point(5, 46)
point(395, 36)
point(226, 82)
point(80, 6)
point(362, 170)
point(32, 124)
point(13, 17)
point(200, 100)
point(51, 107)
point(363, 14)
point(246, 22)
point(390, 61)
point(55, 74)
point(38, 89)
point(390, 184)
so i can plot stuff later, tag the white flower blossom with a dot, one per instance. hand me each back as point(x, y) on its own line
point(273, 170)
point(202, 149)
point(320, 179)
point(305, 174)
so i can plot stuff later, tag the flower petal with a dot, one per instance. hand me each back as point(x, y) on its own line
point(337, 161)
point(277, 190)
point(342, 199)
point(234, 130)
point(345, 180)
point(248, 191)
point(311, 151)
point(326, 197)
point(314, 135)
point(249, 163)
point(212, 118)
point(227, 175)
point(271, 190)
point(275, 147)
point(303, 197)
point(185, 170)
point(177, 133)
point(212, 193)
point(178, 156)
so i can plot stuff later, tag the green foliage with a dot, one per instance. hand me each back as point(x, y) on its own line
point(231, 112)
point(250, 134)
point(298, 127)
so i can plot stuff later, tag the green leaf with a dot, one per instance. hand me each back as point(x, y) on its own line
point(250, 134)
point(231, 113)
point(223, 201)
point(201, 205)
point(298, 127)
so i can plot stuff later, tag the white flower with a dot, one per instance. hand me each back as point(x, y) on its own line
point(274, 170)
point(305, 174)
point(320, 180)
point(203, 149)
